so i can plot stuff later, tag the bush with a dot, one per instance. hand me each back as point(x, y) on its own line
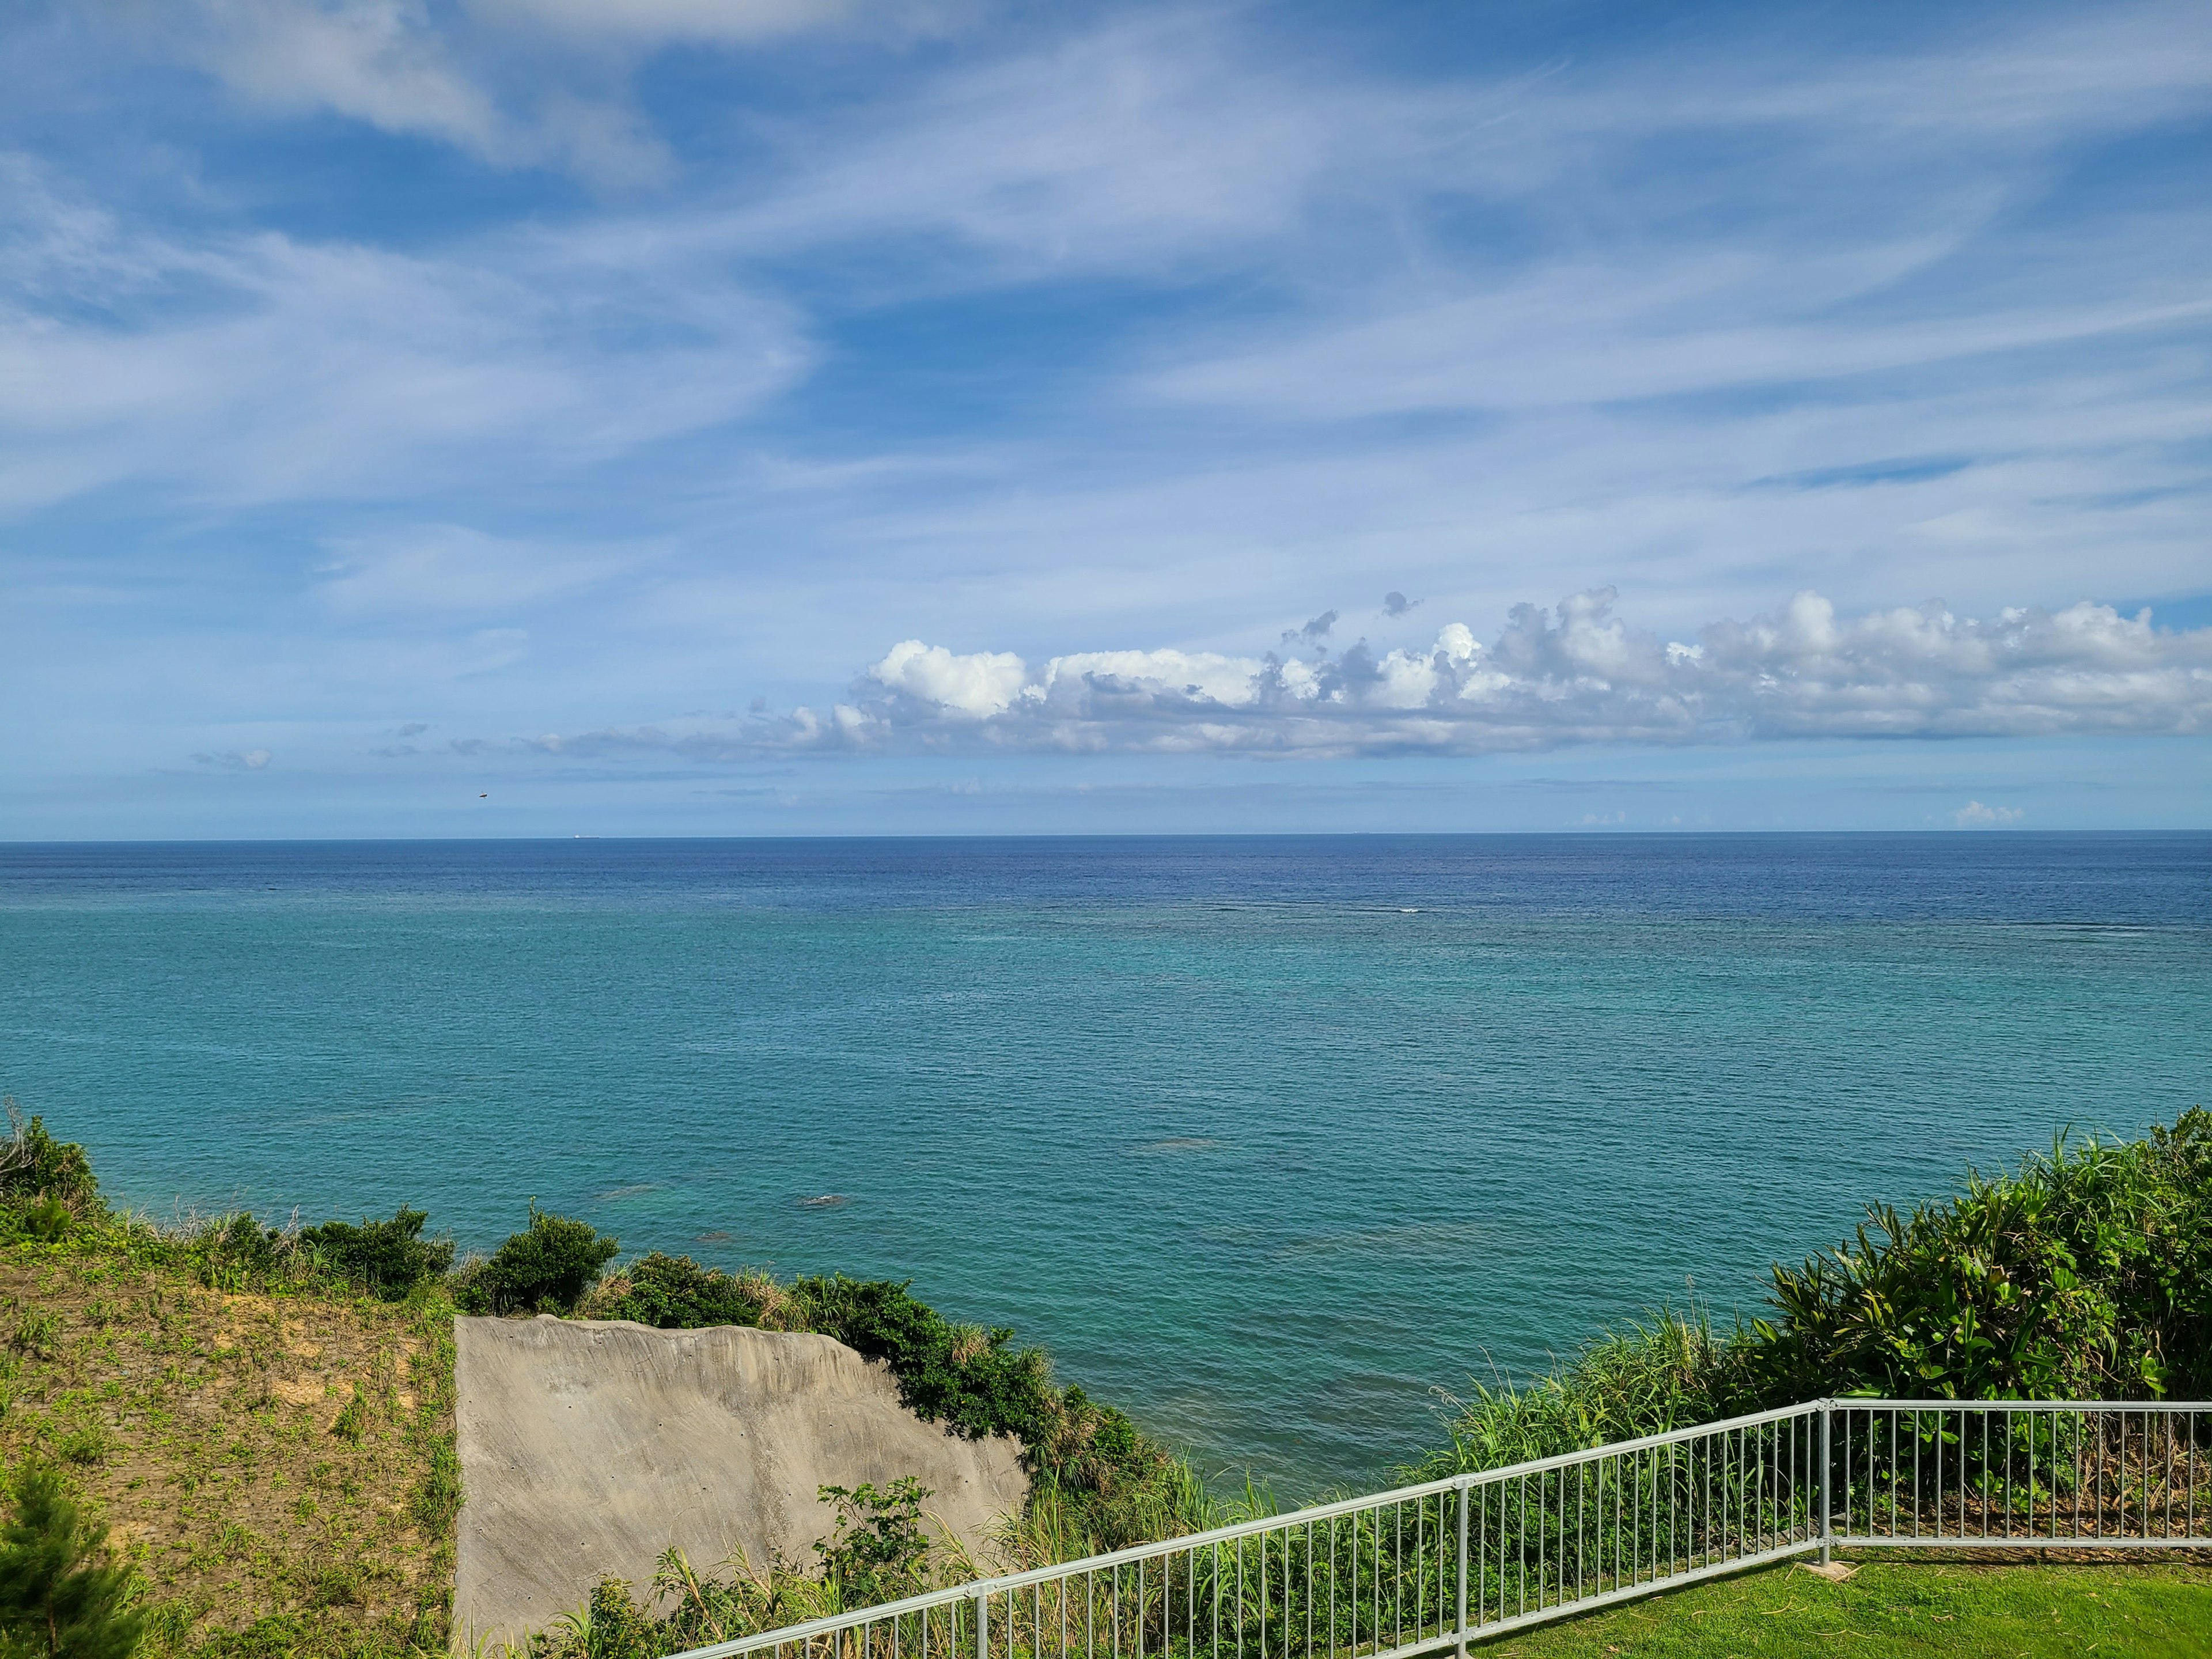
point(545, 1268)
point(2087, 1276)
point(963, 1375)
point(35, 1166)
point(387, 1258)
point(2084, 1275)
point(239, 1253)
point(877, 1551)
point(675, 1293)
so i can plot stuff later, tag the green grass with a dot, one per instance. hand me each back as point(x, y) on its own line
point(2154, 1610)
point(278, 1469)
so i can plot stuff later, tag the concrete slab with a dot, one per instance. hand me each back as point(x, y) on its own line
point(589, 1447)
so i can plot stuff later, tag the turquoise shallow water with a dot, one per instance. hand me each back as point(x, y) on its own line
point(1265, 1139)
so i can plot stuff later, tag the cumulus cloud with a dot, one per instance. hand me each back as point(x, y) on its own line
point(1552, 677)
point(236, 760)
point(1576, 673)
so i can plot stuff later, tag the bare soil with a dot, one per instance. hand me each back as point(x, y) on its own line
point(276, 1465)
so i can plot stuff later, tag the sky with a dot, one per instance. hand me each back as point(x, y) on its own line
point(544, 417)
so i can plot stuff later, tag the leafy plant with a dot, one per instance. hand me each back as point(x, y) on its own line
point(46, 1217)
point(2086, 1274)
point(58, 1598)
point(85, 1443)
point(34, 1165)
point(877, 1551)
point(238, 1252)
point(545, 1268)
point(387, 1258)
point(352, 1417)
point(34, 1333)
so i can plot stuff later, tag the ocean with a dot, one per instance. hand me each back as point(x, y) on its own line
point(1277, 1142)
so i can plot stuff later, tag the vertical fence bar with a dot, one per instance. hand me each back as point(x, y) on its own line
point(1466, 1493)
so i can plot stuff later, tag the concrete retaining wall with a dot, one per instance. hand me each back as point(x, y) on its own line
point(589, 1447)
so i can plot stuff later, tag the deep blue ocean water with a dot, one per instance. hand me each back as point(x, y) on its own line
point(1265, 1139)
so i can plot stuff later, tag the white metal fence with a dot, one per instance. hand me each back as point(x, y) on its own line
point(1423, 1568)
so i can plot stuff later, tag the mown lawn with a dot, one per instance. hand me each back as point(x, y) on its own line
point(2155, 1609)
point(279, 1468)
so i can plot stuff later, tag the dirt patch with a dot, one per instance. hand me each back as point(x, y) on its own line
point(256, 1456)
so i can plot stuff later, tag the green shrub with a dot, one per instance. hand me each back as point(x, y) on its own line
point(239, 1253)
point(675, 1293)
point(877, 1551)
point(2086, 1275)
point(352, 1418)
point(34, 1165)
point(46, 1217)
point(1671, 1371)
point(966, 1377)
point(545, 1268)
point(2083, 1275)
point(387, 1258)
point(57, 1597)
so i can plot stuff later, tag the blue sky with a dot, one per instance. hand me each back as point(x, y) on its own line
point(741, 416)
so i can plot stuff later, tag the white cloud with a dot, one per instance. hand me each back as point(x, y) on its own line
point(1975, 816)
point(378, 61)
point(1576, 673)
point(973, 687)
point(258, 366)
point(1571, 674)
point(236, 760)
point(450, 73)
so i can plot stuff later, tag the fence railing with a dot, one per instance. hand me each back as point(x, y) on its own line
point(1422, 1568)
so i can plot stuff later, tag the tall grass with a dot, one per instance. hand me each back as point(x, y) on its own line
point(1671, 1371)
point(2084, 1273)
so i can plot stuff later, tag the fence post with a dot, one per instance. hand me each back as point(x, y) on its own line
point(982, 1626)
point(1463, 1492)
point(1827, 1461)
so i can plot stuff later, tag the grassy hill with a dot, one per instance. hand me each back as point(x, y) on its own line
point(279, 1468)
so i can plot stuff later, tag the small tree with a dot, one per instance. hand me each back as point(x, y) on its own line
point(545, 1268)
point(59, 1600)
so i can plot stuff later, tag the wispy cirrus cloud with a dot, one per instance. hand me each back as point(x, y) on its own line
point(1123, 342)
point(448, 72)
point(450, 570)
point(257, 367)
